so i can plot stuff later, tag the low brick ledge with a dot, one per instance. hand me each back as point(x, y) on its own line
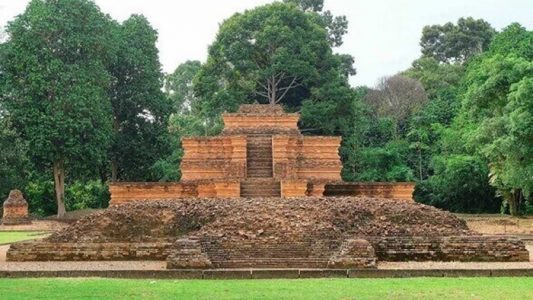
point(272, 273)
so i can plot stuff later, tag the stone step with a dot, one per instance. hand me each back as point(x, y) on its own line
point(260, 188)
point(259, 148)
point(272, 263)
point(259, 165)
point(260, 191)
point(259, 159)
point(260, 175)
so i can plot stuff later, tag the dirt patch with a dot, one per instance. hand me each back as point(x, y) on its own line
point(36, 225)
point(499, 224)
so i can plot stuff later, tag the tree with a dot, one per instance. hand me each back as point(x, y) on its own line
point(275, 53)
point(397, 97)
point(456, 43)
point(496, 113)
point(13, 158)
point(460, 185)
point(179, 86)
point(140, 108)
point(337, 26)
point(57, 82)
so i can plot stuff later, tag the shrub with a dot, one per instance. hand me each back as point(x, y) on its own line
point(460, 184)
point(78, 195)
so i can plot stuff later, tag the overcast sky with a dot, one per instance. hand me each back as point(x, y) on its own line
point(383, 35)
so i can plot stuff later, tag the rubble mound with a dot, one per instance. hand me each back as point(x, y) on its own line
point(306, 218)
point(306, 232)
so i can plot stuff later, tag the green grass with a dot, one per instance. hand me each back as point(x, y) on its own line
point(408, 288)
point(15, 236)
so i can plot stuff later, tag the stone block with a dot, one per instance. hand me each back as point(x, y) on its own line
point(187, 254)
point(353, 253)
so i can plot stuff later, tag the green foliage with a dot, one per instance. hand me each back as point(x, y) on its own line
point(40, 197)
point(78, 195)
point(13, 159)
point(386, 163)
point(57, 80)
point(497, 117)
point(456, 43)
point(55, 84)
point(275, 53)
point(179, 86)
point(90, 194)
point(140, 109)
point(460, 185)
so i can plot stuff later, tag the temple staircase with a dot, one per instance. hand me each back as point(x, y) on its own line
point(259, 181)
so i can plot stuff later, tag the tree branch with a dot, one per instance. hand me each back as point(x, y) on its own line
point(290, 86)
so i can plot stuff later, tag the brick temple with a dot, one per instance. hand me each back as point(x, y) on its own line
point(227, 211)
point(260, 153)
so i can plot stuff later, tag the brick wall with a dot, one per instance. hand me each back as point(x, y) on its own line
point(255, 123)
point(293, 187)
point(287, 253)
point(218, 157)
point(391, 190)
point(305, 157)
point(123, 192)
point(46, 251)
point(449, 248)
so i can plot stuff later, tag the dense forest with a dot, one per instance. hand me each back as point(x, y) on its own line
point(83, 102)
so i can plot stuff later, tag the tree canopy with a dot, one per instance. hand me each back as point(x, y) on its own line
point(56, 91)
point(140, 108)
point(456, 42)
point(277, 53)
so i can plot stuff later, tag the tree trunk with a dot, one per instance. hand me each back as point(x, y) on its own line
point(114, 164)
point(59, 184)
point(420, 162)
point(514, 198)
point(114, 170)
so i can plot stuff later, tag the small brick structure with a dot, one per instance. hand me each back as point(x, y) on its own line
point(15, 209)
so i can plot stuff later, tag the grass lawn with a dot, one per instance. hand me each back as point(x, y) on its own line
point(15, 236)
point(408, 288)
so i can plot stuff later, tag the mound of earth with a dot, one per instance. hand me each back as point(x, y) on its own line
point(262, 218)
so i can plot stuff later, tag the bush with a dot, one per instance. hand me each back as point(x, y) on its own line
point(460, 184)
point(78, 195)
point(385, 164)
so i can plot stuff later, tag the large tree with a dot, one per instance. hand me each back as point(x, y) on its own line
point(397, 97)
point(456, 42)
point(57, 82)
point(140, 108)
point(277, 53)
point(496, 117)
point(179, 86)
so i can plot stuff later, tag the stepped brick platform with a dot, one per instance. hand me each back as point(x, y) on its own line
point(304, 232)
point(258, 142)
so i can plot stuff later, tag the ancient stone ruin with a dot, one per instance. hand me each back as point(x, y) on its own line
point(15, 209)
point(262, 195)
point(303, 232)
point(260, 153)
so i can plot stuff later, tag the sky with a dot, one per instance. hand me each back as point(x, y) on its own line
point(383, 35)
